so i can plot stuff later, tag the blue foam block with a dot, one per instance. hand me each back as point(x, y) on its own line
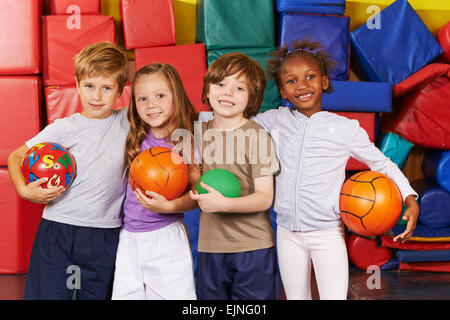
point(434, 204)
point(422, 231)
point(309, 6)
point(191, 220)
point(436, 166)
point(422, 256)
point(357, 97)
point(331, 31)
point(398, 48)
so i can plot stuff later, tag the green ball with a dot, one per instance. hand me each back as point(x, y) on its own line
point(223, 181)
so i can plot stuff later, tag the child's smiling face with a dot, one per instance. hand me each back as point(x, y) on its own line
point(229, 97)
point(303, 83)
point(154, 102)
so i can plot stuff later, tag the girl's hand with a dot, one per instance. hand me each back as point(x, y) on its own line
point(156, 202)
point(411, 215)
point(213, 201)
point(34, 193)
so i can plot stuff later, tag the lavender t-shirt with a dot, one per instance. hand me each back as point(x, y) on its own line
point(136, 217)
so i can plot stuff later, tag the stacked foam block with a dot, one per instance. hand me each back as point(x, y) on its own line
point(149, 29)
point(324, 21)
point(21, 97)
point(414, 63)
point(68, 28)
point(245, 26)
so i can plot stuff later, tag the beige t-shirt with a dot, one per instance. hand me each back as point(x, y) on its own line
point(248, 152)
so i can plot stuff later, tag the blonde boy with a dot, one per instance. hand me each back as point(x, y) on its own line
point(78, 235)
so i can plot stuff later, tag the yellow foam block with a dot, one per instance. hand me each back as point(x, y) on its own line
point(111, 8)
point(434, 13)
point(185, 20)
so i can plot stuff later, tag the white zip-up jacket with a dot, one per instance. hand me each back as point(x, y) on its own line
point(313, 153)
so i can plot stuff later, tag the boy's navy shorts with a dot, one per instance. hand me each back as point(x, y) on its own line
point(67, 257)
point(246, 275)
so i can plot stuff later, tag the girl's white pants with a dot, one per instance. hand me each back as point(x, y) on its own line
point(154, 265)
point(328, 252)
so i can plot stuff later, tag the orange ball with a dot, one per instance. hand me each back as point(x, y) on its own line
point(370, 203)
point(159, 170)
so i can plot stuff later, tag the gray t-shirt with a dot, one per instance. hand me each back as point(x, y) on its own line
point(98, 145)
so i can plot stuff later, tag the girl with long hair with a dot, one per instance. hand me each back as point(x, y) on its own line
point(154, 260)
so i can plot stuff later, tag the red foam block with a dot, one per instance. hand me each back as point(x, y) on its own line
point(20, 43)
point(444, 40)
point(21, 98)
point(74, 6)
point(20, 220)
point(148, 23)
point(63, 36)
point(364, 252)
point(188, 60)
point(421, 108)
point(64, 101)
point(367, 122)
point(441, 266)
point(413, 245)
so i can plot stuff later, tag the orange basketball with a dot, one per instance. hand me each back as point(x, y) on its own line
point(370, 203)
point(159, 170)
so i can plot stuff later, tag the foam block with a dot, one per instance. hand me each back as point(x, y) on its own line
point(315, 6)
point(413, 245)
point(434, 203)
point(21, 98)
point(74, 6)
point(188, 60)
point(421, 111)
point(63, 101)
point(354, 96)
point(395, 147)
point(331, 31)
point(185, 20)
point(422, 255)
point(365, 252)
point(444, 40)
point(436, 166)
point(407, 45)
point(148, 23)
point(367, 122)
point(271, 94)
point(20, 219)
point(443, 266)
point(191, 220)
point(424, 233)
point(20, 49)
point(433, 13)
point(235, 24)
point(63, 37)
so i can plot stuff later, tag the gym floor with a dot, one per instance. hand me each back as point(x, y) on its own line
point(393, 285)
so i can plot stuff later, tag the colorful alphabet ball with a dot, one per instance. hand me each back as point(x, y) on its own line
point(159, 170)
point(222, 180)
point(370, 203)
point(49, 160)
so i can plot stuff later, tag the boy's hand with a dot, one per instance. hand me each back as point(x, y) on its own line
point(213, 201)
point(156, 202)
point(34, 193)
point(411, 215)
